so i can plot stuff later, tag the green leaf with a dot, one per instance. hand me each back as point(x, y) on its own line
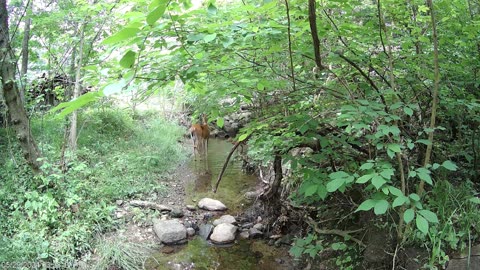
point(408, 111)
point(121, 35)
point(422, 224)
point(387, 173)
point(128, 59)
point(310, 190)
point(220, 122)
point(75, 104)
point(401, 200)
point(335, 184)
point(395, 191)
point(339, 174)
point(395, 147)
point(210, 37)
point(366, 166)
point(157, 13)
point(429, 215)
point(364, 179)
point(378, 181)
point(449, 165)
point(424, 175)
point(212, 9)
point(410, 145)
point(474, 200)
point(414, 197)
point(366, 205)
point(408, 215)
point(381, 207)
point(426, 142)
point(243, 137)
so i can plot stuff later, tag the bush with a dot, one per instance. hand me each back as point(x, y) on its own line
point(52, 217)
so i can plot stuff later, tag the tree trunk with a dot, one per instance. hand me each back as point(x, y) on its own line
point(76, 91)
point(26, 38)
point(20, 121)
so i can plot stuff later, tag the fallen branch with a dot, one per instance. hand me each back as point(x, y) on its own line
point(237, 144)
point(344, 234)
point(151, 205)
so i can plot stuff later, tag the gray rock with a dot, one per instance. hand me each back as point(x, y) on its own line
point(169, 231)
point(211, 204)
point(176, 213)
point(254, 233)
point(191, 207)
point(244, 235)
point(223, 234)
point(225, 219)
point(259, 226)
point(190, 231)
point(204, 230)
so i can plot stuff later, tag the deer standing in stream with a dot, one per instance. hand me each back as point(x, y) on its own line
point(200, 134)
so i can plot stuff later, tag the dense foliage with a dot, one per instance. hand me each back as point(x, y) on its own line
point(386, 100)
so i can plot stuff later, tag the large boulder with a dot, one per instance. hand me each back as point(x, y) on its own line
point(211, 205)
point(224, 233)
point(170, 231)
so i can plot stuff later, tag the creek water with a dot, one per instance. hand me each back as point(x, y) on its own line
point(202, 255)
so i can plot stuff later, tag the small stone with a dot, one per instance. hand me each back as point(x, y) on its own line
point(176, 213)
point(247, 225)
point(255, 233)
point(191, 207)
point(244, 235)
point(225, 219)
point(190, 232)
point(204, 230)
point(259, 226)
point(119, 202)
point(259, 219)
point(211, 204)
point(167, 250)
point(169, 231)
point(223, 234)
point(171, 203)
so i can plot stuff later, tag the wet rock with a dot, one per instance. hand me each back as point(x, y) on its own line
point(176, 213)
point(204, 230)
point(211, 204)
point(169, 231)
point(225, 219)
point(224, 233)
point(255, 233)
point(259, 226)
point(190, 232)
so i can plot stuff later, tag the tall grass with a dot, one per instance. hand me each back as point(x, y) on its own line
point(118, 157)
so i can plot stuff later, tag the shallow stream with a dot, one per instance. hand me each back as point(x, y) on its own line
point(202, 255)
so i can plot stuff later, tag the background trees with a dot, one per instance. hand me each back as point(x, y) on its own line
point(366, 97)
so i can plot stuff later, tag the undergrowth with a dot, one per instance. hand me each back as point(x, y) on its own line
point(54, 217)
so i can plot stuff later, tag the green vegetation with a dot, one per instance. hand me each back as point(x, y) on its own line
point(55, 216)
point(383, 94)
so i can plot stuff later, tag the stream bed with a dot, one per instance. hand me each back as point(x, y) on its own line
point(200, 254)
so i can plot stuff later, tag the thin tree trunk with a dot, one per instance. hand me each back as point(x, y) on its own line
point(76, 91)
point(26, 38)
point(19, 119)
point(433, 115)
